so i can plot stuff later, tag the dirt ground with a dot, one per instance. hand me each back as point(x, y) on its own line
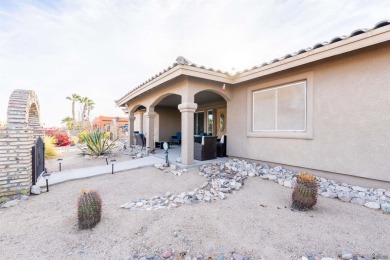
point(256, 221)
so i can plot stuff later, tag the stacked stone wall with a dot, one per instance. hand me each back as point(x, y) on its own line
point(16, 142)
point(15, 160)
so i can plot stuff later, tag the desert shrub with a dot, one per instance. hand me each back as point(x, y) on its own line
point(82, 136)
point(98, 144)
point(89, 209)
point(50, 150)
point(304, 196)
point(62, 138)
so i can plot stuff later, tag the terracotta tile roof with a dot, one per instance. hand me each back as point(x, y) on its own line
point(185, 62)
point(321, 44)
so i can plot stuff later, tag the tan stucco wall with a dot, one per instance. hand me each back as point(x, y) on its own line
point(170, 122)
point(351, 118)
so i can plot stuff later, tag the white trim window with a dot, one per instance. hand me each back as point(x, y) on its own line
point(280, 109)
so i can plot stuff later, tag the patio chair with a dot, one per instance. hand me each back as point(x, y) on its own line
point(207, 149)
point(221, 146)
point(176, 138)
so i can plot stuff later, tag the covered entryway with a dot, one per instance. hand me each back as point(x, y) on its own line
point(180, 99)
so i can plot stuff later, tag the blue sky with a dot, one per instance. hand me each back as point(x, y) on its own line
point(102, 48)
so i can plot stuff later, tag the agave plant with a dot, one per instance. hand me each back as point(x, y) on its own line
point(98, 143)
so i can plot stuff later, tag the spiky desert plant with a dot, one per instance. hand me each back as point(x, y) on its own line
point(89, 209)
point(304, 196)
point(98, 143)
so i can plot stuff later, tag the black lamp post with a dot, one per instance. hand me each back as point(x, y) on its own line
point(59, 163)
point(166, 146)
point(112, 165)
point(46, 176)
point(106, 157)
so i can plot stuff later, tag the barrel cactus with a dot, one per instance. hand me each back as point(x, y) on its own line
point(89, 209)
point(304, 196)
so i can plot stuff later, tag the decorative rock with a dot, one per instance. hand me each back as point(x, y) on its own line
point(328, 194)
point(220, 257)
point(387, 193)
point(359, 201)
point(178, 159)
point(24, 197)
point(287, 184)
point(385, 207)
point(344, 196)
point(167, 253)
point(372, 205)
point(272, 177)
point(357, 188)
point(237, 256)
point(10, 203)
point(35, 189)
point(221, 195)
point(346, 256)
point(173, 166)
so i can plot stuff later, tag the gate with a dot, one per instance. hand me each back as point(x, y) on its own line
point(38, 160)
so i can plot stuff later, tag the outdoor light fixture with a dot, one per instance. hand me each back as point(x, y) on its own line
point(166, 146)
point(106, 157)
point(46, 176)
point(59, 163)
point(112, 164)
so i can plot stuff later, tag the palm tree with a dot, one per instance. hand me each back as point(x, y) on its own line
point(74, 98)
point(91, 105)
point(85, 101)
point(68, 121)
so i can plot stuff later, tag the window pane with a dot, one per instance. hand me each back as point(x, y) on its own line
point(200, 122)
point(291, 107)
point(264, 110)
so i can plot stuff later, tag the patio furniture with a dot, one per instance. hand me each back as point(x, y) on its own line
point(207, 149)
point(160, 144)
point(140, 140)
point(221, 146)
point(176, 138)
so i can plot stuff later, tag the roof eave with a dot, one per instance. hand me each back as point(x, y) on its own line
point(175, 72)
point(367, 39)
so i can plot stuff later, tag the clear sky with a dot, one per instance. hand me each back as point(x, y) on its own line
point(104, 48)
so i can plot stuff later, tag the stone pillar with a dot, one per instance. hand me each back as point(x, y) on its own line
point(187, 110)
point(150, 115)
point(130, 129)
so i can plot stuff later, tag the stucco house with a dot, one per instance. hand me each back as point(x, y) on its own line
point(325, 109)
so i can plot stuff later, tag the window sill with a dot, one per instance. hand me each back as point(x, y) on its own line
point(282, 135)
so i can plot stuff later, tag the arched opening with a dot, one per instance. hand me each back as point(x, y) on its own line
point(168, 119)
point(33, 116)
point(211, 115)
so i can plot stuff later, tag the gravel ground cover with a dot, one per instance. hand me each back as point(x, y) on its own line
point(256, 222)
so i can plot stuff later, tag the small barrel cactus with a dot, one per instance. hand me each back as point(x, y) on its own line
point(304, 196)
point(89, 209)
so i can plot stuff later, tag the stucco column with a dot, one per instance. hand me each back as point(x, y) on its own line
point(187, 110)
point(131, 129)
point(141, 122)
point(150, 115)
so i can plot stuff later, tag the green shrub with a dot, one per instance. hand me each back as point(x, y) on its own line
point(50, 150)
point(304, 196)
point(82, 135)
point(89, 209)
point(98, 144)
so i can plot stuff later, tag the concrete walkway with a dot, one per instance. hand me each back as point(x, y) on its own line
point(81, 173)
